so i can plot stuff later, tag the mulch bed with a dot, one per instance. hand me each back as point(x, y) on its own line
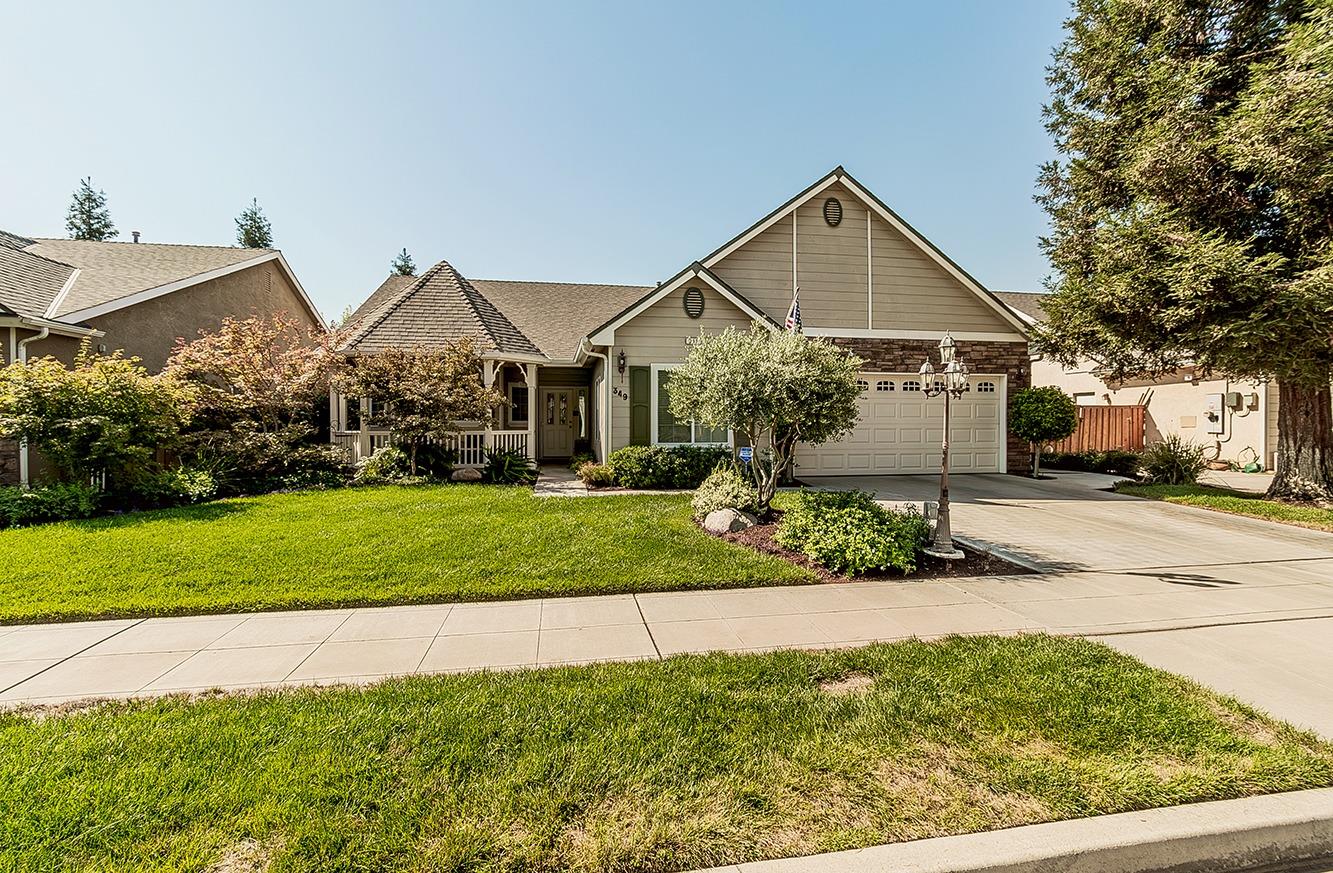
point(760, 538)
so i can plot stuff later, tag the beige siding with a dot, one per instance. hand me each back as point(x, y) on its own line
point(657, 336)
point(838, 276)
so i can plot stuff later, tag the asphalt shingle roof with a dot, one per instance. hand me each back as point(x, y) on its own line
point(111, 270)
point(437, 307)
point(29, 282)
point(1025, 302)
point(557, 315)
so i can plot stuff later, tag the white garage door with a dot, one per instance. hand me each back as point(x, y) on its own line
point(901, 429)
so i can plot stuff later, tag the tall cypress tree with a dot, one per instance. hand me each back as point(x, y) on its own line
point(1190, 204)
point(88, 216)
point(402, 265)
point(253, 230)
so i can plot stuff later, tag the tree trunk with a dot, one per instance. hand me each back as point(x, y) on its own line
point(1304, 443)
point(412, 457)
point(1036, 461)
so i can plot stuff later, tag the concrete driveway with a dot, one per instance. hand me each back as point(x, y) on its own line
point(1242, 605)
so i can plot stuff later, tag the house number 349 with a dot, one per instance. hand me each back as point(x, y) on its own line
point(620, 392)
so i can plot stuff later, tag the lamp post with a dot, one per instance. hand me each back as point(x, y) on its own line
point(953, 386)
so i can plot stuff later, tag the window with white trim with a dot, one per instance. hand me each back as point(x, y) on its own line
point(911, 385)
point(985, 387)
point(883, 385)
point(518, 404)
point(670, 431)
point(862, 385)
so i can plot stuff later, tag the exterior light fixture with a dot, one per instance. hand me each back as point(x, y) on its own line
point(955, 383)
point(620, 362)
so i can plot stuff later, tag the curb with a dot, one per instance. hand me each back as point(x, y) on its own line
point(1225, 835)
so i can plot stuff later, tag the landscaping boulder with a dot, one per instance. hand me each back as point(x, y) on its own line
point(466, 474)
point(721, 521)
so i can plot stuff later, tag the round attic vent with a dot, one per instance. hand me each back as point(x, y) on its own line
point(832, 212)
point(694, 302)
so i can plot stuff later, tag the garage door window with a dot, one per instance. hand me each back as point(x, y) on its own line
point(670, 431)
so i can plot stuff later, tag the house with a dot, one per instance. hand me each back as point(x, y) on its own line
point(1236, 420)
point(585, 367)
point(130, 296)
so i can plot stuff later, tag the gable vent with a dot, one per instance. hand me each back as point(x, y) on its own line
point(833, 211)
point(694, 302)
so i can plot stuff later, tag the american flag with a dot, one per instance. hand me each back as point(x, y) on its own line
point(794, 311)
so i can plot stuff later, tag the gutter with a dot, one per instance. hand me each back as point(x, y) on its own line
point(606, 395)
point(59, 328)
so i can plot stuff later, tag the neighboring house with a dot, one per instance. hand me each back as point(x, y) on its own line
point(585, 367)
point(138, 298)
point(1236, 420)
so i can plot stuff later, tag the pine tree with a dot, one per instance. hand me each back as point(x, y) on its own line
point(402, 265)
point(88, 216)
point(1189, 206)
point(253, 230)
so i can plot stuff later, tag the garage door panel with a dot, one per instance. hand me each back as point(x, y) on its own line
point(900, 432)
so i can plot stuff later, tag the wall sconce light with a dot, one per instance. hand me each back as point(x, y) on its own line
point(620, 362)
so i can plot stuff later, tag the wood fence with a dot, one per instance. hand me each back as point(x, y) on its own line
point(1102, 428)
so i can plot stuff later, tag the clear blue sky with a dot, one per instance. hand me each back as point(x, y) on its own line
point(611, 142)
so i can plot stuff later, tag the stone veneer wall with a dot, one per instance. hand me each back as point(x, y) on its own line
point(905, 356)
point(9, 462)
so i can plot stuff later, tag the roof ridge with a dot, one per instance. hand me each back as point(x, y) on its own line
point(123, 242)
point(369, 324)
point(548, 282)
point(470, 290)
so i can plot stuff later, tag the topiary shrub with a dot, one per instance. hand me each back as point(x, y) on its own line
point(847, 532)
point(725, 488)
point(1173, 461)
point(1041, 415)
point(597, 475)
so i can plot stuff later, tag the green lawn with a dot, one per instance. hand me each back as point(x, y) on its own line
point(653, 766)
point(1234, 502)
point(367, 546)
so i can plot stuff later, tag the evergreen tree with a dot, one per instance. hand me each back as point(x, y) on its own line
point(253, 230)
point(88, 216)
point(1190, 204)
point(402, 265)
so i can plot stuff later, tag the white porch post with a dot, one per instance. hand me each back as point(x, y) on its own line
point(488, 373)
point(530, 374)
point(363, 436)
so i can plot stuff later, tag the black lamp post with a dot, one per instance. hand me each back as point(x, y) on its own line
point(953, 386)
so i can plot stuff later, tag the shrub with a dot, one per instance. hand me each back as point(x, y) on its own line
point(580, 459)
point(849, 533)
point(725, 488)
point(387, 464)
point(55, 502)
point(508, 467)
point(1113, 461)
point(165, 487)
point(1041, 415)
point(244, 460)
point(1173, 461)
point(663, 467)
point(1117, 461)
point(597, 475)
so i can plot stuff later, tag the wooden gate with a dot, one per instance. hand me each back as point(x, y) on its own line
point(1102, 428)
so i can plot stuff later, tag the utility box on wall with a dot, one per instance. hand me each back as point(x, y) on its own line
point(1214, 414)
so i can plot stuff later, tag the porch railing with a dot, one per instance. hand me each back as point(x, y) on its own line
point(471, 445)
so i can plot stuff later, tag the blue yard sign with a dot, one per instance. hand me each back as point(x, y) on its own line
point(746, 454)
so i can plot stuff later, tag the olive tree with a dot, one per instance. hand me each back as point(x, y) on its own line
point(772, 390)
point(421, 394)
point(1040, 416)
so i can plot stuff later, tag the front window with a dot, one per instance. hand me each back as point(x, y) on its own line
point(518, 404)
point(669, 430)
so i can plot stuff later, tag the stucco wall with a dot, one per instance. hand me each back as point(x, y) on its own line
point(1176, 405)
point(905, 356)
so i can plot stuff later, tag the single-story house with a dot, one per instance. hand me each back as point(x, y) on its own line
point(585, 367)
point(1235, 419)
point(135, 297)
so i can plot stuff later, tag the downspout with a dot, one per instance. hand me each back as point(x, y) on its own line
point(23, 444)
point(606, 399)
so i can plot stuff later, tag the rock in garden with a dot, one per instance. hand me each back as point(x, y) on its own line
point(721, 521)
point(466, 474)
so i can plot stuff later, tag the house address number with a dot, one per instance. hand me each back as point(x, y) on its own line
point(620, 393)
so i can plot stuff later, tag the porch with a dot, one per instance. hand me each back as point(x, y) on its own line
point(558, 426)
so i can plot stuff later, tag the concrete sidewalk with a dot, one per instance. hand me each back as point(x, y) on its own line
point(53, 663)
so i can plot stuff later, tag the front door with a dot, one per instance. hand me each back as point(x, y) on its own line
point(558, 417)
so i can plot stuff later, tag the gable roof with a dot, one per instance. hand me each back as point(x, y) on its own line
point(605, 334)
point(838, 175)
point(438, 306)
point(1027, 304)
point(101, 277)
